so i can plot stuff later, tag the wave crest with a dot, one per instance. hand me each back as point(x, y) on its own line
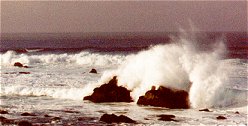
point(187, 65)
point(82, 58)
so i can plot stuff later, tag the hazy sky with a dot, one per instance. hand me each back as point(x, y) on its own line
point(134, 16)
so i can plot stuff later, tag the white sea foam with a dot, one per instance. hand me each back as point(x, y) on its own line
point(62, 92)
point(185, 64)
point(182, 65)
point(82, 58)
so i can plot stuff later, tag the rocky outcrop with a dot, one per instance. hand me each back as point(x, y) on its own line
point(18, 64)
point(112, 118)
point(93, 71)
point(165, 97)
point(110, 92)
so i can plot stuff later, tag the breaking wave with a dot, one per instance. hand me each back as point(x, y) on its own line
point(185, 64)
point(82, 58)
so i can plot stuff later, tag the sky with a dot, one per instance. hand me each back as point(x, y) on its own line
point(121, 16)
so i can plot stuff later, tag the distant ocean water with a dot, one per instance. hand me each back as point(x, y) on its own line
point(59, 78)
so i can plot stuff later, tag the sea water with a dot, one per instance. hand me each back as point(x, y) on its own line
point(59, 80)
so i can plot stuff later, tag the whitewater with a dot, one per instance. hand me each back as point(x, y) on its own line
point(59, 81)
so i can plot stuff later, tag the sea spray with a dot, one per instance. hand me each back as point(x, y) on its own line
point(186, 64)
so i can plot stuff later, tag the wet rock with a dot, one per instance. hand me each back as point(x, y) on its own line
point(85, 118)
point(56, 118)
point(110, 92)
point(69, 111)
point(27, 114)
point(205, 110)
point(24, 123)
point(25, 67)
point(164, 117)
point(24, 72)
point(2, 118)
point(165, 97)
point(236, 112)
point(6, 121)
point(18, 64)
point(47, 115)
point(220, 117)
point(112, 118)
point(93, 71)
point(3, 112)
point(10, 73)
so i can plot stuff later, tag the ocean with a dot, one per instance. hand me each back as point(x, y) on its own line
point(211, 67)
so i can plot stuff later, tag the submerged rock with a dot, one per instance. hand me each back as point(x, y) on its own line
point(56, 118)
point(3, 112)
point(110, 92)
point(24, 123)
point(2, 118)
point(46, 115)
point(205, 110)
point(164, 117)
point(112, 118)
point(220, 117)
point(24, 72)
point(5, 121)
point(27, 114)
point(165, 97)
point(93, 71)
point(236, 112)
point(25, 67)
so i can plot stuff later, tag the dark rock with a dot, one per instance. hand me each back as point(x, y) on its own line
point(110, 92)
point(205, 110)
point(24, 72)
point(18, 64)
point(21, 51)
point(6, 121)
point(93, 71)
point(236, 112)
point(220, 117)
point(56, 118)
point(164, 117)
point(47, 115)
point(165, 97)
point(3, 112)
point(10, 73)
point(24, 123)
point(2, 118)
point(169, 116)
point(27, 114)
point(85, 118)
point(146, 119)
point(69, 111)
point(112, 118)
point(25, 67)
